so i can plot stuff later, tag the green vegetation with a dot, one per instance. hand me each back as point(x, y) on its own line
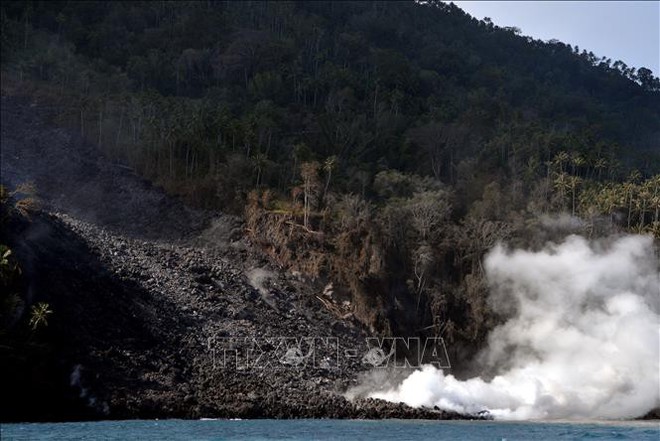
point(19, 202)
point(39, 315)
point(9, 274)
point(384, 146)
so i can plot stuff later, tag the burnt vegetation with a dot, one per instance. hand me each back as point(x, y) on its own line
point(382, 147)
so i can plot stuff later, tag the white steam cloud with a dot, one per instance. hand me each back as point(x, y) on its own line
point(583, 340)
point(258, 278)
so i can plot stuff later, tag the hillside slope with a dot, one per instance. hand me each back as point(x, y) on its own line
point(135, 302)
point(380, 148)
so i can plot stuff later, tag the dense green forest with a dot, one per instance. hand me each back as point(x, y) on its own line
point(381, 146)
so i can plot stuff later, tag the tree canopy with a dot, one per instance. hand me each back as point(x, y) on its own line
point(404, 138)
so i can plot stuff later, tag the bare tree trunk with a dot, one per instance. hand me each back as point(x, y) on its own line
point(100, 125)
point(139, 128)
point(641, 215)
point(171, 159)
point(306, 208)
point(657, 206)
point(629, 208)
point(327, 186)
point(25, 38)
point(573, 200)
point(121, 120)
point(187, 156)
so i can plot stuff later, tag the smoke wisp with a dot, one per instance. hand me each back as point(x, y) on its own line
point(582, 340)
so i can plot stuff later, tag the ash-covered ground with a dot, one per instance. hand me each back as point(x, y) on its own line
point(148, 297)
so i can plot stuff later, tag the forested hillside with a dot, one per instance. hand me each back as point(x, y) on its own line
point(383, 147)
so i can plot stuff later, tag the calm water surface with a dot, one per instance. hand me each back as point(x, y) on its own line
point(207, 430)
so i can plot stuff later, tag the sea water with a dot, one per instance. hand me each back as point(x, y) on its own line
point(208, 430)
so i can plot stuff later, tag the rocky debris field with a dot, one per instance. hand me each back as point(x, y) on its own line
point(160, 310)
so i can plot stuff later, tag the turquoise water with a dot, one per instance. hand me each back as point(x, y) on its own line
point(208, 430)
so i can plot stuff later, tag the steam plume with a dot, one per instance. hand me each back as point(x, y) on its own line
point(582, 341)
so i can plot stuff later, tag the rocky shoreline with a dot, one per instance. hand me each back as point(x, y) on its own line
point(142, 287)
point(135, 334)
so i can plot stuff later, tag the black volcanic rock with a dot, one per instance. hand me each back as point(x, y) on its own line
point(139, 303)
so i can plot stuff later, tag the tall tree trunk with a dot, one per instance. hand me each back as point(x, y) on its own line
point(187, 156)
point(100, 126)
point(306, 209)
point(121, 120)
point(629, 207)
point(327, 186)
point(573, 200)
point(25, 37)
point(82, 123)
point(171, 159)
point(641, 215)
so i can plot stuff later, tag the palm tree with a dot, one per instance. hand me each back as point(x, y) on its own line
point(573, 183)
point(600, 165)
point(654, 183)
point(562, 184)
point(39, 315)
point(328, 166)
point(629, 191)
point(260, 161)
point(643, 198)
point(309, 174)
point(577, 161)
point(560, 159)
